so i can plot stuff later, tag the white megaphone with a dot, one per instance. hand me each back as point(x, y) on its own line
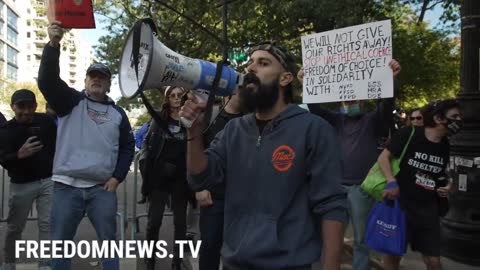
point(158, 66)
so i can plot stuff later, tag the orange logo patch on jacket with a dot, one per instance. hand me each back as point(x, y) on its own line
point(282, 158)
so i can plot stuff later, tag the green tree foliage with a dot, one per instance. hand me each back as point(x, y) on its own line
point(430, 59)
point(11, 87)
point(450, 9)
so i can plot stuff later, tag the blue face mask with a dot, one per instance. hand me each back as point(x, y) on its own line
point(352, 110)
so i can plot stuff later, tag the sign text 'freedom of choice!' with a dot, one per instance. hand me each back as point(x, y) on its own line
point(348, 64)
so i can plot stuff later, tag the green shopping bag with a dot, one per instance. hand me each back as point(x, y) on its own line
point(375, 181)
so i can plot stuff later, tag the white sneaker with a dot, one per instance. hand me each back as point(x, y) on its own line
point(8, 266)
point(44, 268)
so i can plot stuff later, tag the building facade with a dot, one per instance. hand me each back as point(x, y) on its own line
point(23, 34)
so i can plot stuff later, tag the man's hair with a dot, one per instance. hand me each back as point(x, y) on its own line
point(286, 59)
point(437, 108)
point(414, 110)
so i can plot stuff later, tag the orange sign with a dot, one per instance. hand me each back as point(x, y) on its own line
point(71, 13)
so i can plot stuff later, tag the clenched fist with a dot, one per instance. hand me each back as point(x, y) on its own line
point(55, 33)
point(193, 110)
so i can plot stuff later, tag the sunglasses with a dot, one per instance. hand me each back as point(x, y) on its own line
point(176, 95)
point(416, 118)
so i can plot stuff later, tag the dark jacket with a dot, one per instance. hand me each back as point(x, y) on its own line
point(13, 135)
point(150, 161)
point(280, 186)
point(3, 120)
point(360, 137)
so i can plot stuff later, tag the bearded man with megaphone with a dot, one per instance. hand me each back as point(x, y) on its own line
point(281, 168)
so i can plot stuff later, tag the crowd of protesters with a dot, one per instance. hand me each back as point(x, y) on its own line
point(276, 184)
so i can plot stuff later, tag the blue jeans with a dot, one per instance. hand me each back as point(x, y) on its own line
point(211, 231)
point(359, 207)
point(69, 206)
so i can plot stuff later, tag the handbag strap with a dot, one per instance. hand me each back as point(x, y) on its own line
point(406, 145)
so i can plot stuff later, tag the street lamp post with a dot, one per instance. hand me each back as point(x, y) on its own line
point(461, 226)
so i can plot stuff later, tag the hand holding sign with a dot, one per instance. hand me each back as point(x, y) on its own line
point(346, 64)
point(55, 33)
point(71, 14)
point(395, 66)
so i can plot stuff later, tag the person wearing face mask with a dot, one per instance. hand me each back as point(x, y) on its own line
point(94, 150)
point(421, 182)
point(361, 136)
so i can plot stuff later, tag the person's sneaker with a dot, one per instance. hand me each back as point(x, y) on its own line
point(8, 266)
point(44, 268)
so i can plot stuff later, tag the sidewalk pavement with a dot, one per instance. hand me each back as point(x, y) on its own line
point(411, 261)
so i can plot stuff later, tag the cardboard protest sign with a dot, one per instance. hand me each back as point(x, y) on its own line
point(348, 64)
point(71, 13)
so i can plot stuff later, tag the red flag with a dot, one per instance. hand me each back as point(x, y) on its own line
point(71, 13)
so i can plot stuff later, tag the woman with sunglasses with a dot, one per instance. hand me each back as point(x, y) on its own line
point(415, 118)
point(165, 170)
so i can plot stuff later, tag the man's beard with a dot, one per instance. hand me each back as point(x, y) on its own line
point(256, 96)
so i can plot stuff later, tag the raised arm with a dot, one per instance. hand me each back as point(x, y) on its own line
point(385, 107)
point(58, 94)
point(205, 168)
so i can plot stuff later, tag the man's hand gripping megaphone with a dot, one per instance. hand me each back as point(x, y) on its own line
point(192, 113)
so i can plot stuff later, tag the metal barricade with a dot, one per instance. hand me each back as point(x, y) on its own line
point(135, 219)
point(122, 216)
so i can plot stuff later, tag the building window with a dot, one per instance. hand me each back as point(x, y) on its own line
point(28, 58)
point(28, 11)
point(11, 72)
point(2, 46)
point(1, 28)
point(12, 36)
point(12, 19)
point(28, 34)
point(11, 55)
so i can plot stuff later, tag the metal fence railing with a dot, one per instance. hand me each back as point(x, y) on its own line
point(122, 216)
point(129, 190)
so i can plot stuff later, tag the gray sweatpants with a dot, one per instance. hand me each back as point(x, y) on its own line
point(20, 202)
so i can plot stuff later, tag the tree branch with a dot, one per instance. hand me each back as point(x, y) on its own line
point(210, 33)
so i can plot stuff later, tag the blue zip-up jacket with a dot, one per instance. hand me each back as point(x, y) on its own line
point(94, 139)
point(280, 185)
